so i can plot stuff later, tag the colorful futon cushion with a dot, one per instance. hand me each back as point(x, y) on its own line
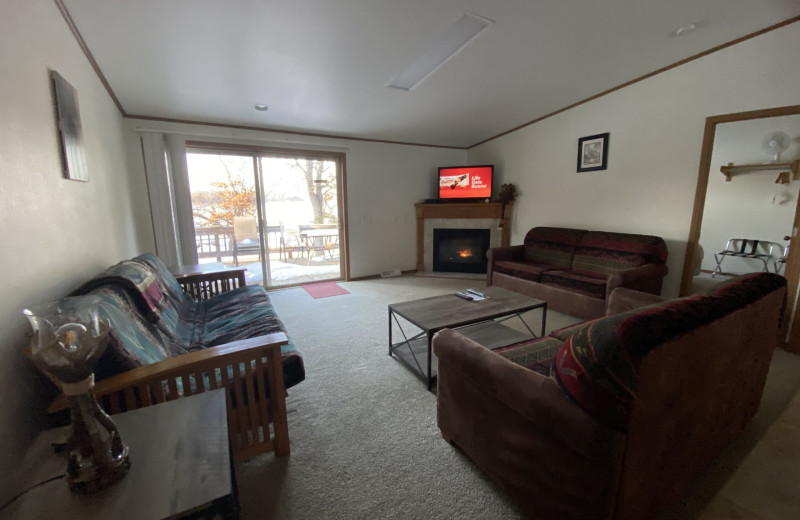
point(180, 324)
point(141, 282)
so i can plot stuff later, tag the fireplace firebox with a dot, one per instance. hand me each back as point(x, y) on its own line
point(460, 250)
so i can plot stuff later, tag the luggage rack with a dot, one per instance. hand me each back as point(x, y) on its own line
point(749, 248)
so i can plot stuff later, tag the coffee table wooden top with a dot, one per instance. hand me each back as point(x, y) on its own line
point(448, 310)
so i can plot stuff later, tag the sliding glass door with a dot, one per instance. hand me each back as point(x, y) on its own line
point(275, 213)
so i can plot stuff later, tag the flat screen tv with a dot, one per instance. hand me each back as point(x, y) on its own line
point(465, 182)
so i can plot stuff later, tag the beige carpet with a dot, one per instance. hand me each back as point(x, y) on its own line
point(364, 439)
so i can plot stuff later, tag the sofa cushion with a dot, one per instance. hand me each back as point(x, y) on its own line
point(242, 313)
point(524, 270)
point(132, 340)
point(552, 246)
point(177, 304)
point(597, 365)
point(564, 333)
point(604, 253)
point(589, 285)
point(535, 354)
point(135, 278)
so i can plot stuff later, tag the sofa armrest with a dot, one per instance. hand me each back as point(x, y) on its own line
point(518, 427)
point(495, 254)
point(623, 299)
point(203, 286)
point(646, 278)
point(534, 396)
point(238, 366)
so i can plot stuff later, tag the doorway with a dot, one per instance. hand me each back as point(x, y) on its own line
point(277, 214)
point(704, 218)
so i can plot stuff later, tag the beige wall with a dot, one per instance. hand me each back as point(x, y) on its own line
point(656, 129)
point(384, 181)
point(55, 233)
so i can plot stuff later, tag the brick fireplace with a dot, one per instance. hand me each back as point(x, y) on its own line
point(491, 216)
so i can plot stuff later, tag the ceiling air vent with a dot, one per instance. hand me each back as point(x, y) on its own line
point(444, 47)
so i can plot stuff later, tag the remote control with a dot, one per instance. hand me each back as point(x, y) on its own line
point(464, 296)
point(476, 293)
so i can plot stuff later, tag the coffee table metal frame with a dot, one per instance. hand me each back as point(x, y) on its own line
point(471, 318)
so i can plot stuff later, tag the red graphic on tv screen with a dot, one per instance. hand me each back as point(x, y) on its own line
point(465, 182)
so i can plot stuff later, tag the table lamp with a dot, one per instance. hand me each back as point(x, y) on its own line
point(68, 338)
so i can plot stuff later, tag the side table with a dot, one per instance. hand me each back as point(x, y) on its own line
point(181, 467)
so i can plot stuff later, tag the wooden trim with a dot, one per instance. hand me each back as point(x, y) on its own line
point(792, 274)
point(642, 78)
point(792, 269)
point(341, 193)
point(85, 48)
point(699, 205)
point(344, 224)
point(290, 132)
point(250, 411)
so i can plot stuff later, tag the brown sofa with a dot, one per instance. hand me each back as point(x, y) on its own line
point(575, 270)
point(613, 418)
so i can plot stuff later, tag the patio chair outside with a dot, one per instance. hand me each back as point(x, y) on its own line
point(245, 238)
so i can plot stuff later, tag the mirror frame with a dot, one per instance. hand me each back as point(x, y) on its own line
point(792, 268)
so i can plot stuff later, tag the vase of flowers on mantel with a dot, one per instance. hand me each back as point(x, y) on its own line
point(507, 195)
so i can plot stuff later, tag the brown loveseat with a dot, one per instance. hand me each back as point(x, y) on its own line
point(613, 418)
point(575, 270)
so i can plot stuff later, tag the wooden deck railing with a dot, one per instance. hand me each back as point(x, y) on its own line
point(214, 242)
point(217, 242)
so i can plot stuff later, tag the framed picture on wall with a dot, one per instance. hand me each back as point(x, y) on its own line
point(593, 153)
point(68, 120)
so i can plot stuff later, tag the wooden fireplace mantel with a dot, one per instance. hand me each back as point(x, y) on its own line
point(496, 210)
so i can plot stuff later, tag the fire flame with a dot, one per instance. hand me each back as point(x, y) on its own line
point(465, 253)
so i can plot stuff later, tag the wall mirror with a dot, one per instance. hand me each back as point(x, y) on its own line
point(755, 197)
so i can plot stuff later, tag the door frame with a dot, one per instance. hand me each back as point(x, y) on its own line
point(303, 153)
point(791, 316)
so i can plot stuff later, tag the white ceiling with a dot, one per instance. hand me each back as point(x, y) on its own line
point(322, 65)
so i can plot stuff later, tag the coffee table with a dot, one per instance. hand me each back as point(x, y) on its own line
point(478, 320)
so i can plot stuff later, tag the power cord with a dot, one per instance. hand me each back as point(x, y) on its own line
point(18, 495)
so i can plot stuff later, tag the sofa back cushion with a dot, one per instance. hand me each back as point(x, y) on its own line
point(177, 304)
point(597, 366)
point(133, 340)
point(552, 246)
point(604, 253)
point(135, 278)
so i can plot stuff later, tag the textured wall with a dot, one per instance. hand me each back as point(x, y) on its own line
point(55, 232)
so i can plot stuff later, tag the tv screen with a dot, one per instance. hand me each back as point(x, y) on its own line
point(465, 182)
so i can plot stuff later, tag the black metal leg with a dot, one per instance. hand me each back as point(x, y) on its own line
point(390, 332)
point(544, 318)
point(430, 355)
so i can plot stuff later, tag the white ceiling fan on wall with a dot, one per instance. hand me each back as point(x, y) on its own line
point(775, 143)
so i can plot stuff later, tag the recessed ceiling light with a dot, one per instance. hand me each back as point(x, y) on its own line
point(444, 47)
point(261, 107)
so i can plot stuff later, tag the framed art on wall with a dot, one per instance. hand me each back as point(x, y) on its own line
point(593, 153)
point(68, 120)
